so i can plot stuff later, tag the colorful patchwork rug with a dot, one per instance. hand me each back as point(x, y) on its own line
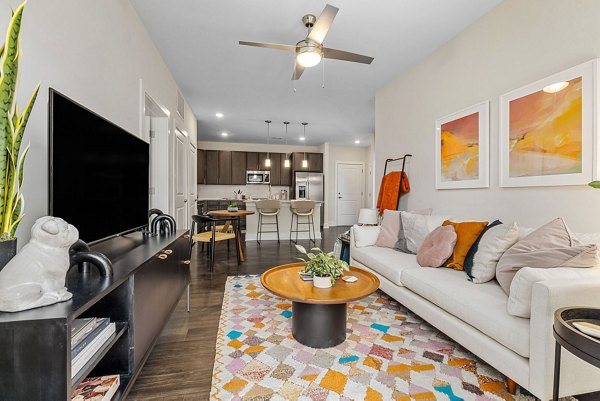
point(389, 354)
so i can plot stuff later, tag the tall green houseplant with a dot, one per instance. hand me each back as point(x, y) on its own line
point(12, 128)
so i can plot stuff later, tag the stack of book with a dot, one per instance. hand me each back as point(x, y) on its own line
point(97, 389)
point(87, 337)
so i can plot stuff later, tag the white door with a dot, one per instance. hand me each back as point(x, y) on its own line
point(192, 182)
point(349, 192)
point(181, 192)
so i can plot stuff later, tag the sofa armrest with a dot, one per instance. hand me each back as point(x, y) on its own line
point(577, 377)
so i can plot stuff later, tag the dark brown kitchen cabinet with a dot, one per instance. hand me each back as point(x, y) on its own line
point(212, 167)
point(252, 161)
point(224, 167)
point(238, 168)
point(275, 168)
point(315, 162)
point(201, 166)
point(286, 172)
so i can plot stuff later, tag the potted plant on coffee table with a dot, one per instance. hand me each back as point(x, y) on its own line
point(324, 267)
point(12, 128)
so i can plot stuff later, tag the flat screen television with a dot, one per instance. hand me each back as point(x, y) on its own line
point(99, 173)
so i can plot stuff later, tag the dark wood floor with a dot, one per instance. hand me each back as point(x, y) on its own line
point(180, 366)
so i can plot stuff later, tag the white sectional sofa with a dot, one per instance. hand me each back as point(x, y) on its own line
point(475, 316)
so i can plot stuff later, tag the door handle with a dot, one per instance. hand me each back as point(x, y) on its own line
point(185, 201)
point(339, 197)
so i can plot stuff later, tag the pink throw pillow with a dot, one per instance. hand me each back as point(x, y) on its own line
point(437, 247)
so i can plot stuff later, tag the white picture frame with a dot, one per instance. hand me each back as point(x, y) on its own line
point(453, 180)
point(546, 162)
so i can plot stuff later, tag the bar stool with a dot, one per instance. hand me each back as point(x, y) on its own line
point(267, 208)
point(303, 208)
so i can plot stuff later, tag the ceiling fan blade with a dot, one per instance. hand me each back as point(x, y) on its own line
point(321, 27)
point(275, 46)
point(297, 72)
point(346, 56)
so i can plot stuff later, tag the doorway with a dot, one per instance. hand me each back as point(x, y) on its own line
point(181, 178)
point(349, 181)
point(156, 131)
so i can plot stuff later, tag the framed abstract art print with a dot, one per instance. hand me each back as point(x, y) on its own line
point(462, 148)
point(548, 130)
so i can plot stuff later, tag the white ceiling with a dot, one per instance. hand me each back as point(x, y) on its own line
point(199, 42)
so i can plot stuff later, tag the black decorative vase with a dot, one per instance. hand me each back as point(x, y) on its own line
point(8, 249)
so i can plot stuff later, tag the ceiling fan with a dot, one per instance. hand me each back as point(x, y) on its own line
point(310, 51)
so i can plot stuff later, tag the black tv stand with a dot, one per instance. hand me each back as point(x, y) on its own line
point(150, 275)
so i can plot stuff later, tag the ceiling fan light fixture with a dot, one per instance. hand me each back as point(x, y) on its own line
point(308, 58)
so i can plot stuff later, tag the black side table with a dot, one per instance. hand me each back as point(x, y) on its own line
point(579, 344)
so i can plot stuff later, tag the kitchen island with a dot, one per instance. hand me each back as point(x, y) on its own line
point(285, 219)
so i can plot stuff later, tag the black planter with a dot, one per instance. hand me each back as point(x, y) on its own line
point(8, 249)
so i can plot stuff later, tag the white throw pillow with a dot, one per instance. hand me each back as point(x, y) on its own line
point(365, 235)
point(492, 245)
point(521, 288)
point(415, 228)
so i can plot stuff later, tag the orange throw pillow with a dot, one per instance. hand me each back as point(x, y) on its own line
point(466, 234)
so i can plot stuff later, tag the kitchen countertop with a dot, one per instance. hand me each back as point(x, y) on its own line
point(248, 200)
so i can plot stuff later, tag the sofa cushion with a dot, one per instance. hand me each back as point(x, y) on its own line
point(552, 245)
point(437, 247)
point(481, 261)
point(385, 261)
point(521, 288)
point(414, 228)
point(466, 234)
point(482, 306)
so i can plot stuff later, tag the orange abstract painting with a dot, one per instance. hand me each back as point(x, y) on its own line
point(545, 132)
point(460, 149)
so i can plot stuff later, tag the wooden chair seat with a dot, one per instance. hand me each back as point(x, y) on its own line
point(219, 236)
point(221, 227)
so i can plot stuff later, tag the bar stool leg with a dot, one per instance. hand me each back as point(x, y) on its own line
point(277, 224)
point(312, 221)
point(297, 227)
point(291, 227)
point(259, 234)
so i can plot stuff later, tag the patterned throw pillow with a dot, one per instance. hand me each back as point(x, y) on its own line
point(551, 245)
point(437, 247)
point(466, 232)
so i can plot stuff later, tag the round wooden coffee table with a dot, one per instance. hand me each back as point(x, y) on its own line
point(318, 314)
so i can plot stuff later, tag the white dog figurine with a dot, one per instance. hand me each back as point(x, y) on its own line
point(36, 275)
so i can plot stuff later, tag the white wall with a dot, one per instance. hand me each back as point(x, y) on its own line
point(95, 52)
point(515, 44)
point(337, 153)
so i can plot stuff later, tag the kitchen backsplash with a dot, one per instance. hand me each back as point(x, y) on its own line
point(227, 191)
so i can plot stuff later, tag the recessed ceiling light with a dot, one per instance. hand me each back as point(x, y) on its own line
point(302, 138)
point(219, 115)
point(357, 142)
point(224, 134)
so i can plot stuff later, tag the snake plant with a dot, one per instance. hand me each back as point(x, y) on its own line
point(12, 128)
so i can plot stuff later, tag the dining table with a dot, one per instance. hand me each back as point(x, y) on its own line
point(233, 219)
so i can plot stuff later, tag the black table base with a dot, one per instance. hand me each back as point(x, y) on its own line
point(319, 325)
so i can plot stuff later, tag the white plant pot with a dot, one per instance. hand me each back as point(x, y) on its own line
point(322, 282)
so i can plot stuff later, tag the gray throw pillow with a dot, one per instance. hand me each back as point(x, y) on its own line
point(551, 245)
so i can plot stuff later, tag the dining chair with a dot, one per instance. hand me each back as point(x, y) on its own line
point(204, 230)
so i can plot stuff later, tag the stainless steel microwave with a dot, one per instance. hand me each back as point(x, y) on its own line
point(258, 177)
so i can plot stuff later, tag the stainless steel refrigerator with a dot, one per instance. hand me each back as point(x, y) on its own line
point(311, 186)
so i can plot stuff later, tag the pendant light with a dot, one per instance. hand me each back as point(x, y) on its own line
point(304, 161)
point(286, 163)
point(268, 159)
